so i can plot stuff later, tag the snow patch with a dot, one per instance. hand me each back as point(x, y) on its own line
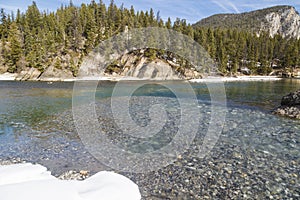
point(34, 182)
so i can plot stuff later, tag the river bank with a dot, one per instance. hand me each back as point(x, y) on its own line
point(14, 77)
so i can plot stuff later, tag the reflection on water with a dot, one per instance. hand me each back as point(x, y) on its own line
point(265, 95)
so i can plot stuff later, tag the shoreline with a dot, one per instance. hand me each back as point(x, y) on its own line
point(236, 79)
point(13, 77)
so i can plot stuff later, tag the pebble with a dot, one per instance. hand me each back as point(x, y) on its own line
point(74, 175)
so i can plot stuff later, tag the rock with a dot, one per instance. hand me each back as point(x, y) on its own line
point(292, 99)
point(290, 106)
point(156, 69)
point(84, 173)
point(74, 175)
point(53, 73)
point(50, 73)
point(138, 65)
point(285, 22)
point(282, 20)
point(29, 74)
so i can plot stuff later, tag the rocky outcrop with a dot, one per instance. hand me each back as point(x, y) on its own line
point(29, 74)
point(290, 105)
point(137, 65)
point(285, 22)
point(156, 69)
point(51, 73)
point(54, 73)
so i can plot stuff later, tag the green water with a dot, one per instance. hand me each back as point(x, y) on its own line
point(34, 125)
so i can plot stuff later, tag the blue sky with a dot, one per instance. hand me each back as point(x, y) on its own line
point(191, 10)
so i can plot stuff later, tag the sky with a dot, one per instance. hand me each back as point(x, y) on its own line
point(191, 10)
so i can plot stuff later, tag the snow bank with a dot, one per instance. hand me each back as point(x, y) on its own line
point(34, 182)
point(239, 78)
point(8, 77)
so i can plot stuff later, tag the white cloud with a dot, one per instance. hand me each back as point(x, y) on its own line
point(221, 5)
point(232, 5)
point(227, 6)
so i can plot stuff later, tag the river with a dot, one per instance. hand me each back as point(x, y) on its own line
point(36, 125)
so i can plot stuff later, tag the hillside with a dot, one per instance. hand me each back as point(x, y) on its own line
point(283, 20)
point(38, 45)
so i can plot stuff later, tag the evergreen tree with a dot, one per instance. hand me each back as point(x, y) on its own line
point(169, 23)
point(222, 57)
point(70, 33)
point(13, 49)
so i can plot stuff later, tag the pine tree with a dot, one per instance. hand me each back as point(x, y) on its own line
point(222, 57)
point(39, 38)
point(211, 47)
point(4, 25)
point(177, 26)
point(168, 23)
point(13, 49)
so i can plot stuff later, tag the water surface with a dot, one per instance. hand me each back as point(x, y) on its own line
point(36, 119)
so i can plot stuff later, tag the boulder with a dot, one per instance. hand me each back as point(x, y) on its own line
point(292, 99)
point(290, 106)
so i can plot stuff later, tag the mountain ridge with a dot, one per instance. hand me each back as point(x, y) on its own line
point(283, 20)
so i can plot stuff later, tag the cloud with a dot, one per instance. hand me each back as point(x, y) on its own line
point(233, 6)
point(227, 6)
point(221, 5)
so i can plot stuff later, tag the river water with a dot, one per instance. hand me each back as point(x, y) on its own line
point(36, 122)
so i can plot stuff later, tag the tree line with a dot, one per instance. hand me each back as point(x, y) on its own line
point(39, 39)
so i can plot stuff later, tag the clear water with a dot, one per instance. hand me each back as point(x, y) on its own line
point(36, 125)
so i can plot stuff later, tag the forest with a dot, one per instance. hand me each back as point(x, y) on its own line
point(39, 39)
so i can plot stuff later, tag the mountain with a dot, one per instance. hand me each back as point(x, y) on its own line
point(283, 20)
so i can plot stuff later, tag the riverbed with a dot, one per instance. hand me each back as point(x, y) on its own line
point(257, 154)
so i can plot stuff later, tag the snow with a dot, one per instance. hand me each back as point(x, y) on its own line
point(233, 79)
point(34, 182)
point(7, 77)
point(23, 172)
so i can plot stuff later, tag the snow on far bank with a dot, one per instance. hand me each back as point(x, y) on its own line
point(239, 78)
point(8, 76)
point(34, 182)
point(208, 79)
